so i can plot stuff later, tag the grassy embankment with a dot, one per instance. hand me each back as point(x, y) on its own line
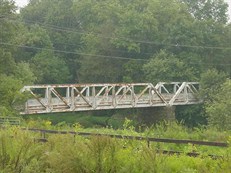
point(67, 153)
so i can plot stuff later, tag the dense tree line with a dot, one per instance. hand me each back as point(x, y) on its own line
point(76, 41)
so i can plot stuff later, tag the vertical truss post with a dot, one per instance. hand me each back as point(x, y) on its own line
point(49, 99)
point(88, 92)
point(150, 92)
point(113, 97)
point(72, 98)
point(133, 98)
point(106, 91)
point(124, 92)
point(68, 94)
point(174, 88)
point(26, 108)
point(93, 98)
point(186, 93)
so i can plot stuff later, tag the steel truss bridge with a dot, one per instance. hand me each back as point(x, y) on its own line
point(86, 97)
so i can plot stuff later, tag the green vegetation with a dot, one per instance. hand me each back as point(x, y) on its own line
point(78, 41)
point(86, 120)
point(219, 108)
point(19, 152)
point(67, 41)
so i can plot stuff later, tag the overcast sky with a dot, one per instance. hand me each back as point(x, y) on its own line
point(22, 3)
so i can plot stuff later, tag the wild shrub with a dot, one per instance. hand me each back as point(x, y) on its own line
point(19, 153)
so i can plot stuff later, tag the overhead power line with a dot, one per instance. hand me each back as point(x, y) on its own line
point(82, 33)
point(70, 52)
point(65, 29)
point(96, 55)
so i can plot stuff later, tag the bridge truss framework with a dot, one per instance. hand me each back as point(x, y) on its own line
point(86, 97)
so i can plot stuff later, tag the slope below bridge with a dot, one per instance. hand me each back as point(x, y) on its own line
point(86, 97)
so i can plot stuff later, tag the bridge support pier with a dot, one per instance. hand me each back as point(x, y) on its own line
point(170, 113)
point(154, 115)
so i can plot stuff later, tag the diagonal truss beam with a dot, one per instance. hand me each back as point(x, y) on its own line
point(182, 87)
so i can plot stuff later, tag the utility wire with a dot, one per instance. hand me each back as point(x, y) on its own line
point(65, 29)
point(96, 55)
point(82, 33)
point(70, 52)
point(220, 64)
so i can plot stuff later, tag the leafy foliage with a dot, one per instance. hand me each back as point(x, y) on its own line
point(191, 116)
point(166, 67)
point(62, 41)
point(219, 110)
point(50, 69)
point(19, 152)
point(208, 10)
point(69, 41)
point(210, 83)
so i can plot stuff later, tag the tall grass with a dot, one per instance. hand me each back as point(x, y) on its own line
point(20, 153)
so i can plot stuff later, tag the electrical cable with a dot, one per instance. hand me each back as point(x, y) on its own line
point(96, 55)
point(65, 29)
point(70, 52)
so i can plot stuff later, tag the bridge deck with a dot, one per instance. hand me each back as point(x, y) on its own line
point(85, 97)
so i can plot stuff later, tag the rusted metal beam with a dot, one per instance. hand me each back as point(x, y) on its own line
point(150, 139)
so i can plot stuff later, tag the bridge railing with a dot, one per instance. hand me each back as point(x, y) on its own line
point(81, 97)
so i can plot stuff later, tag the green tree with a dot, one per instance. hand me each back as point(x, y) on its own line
point(114, 28)
point(24, 73)
point(191, 115)
point(37, 50)
point(33, 40)
point(13, 75)
point(208, 9)
point(9, 90)
point(62, 26)
point(210, 83)
point(7, 63)
point(219, 109)
point(166, 67)
point(49, 68)
point(133, 72)
point(7, 10)
point(133, 29)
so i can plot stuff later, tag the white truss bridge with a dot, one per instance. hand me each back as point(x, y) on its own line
point(86, 97)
